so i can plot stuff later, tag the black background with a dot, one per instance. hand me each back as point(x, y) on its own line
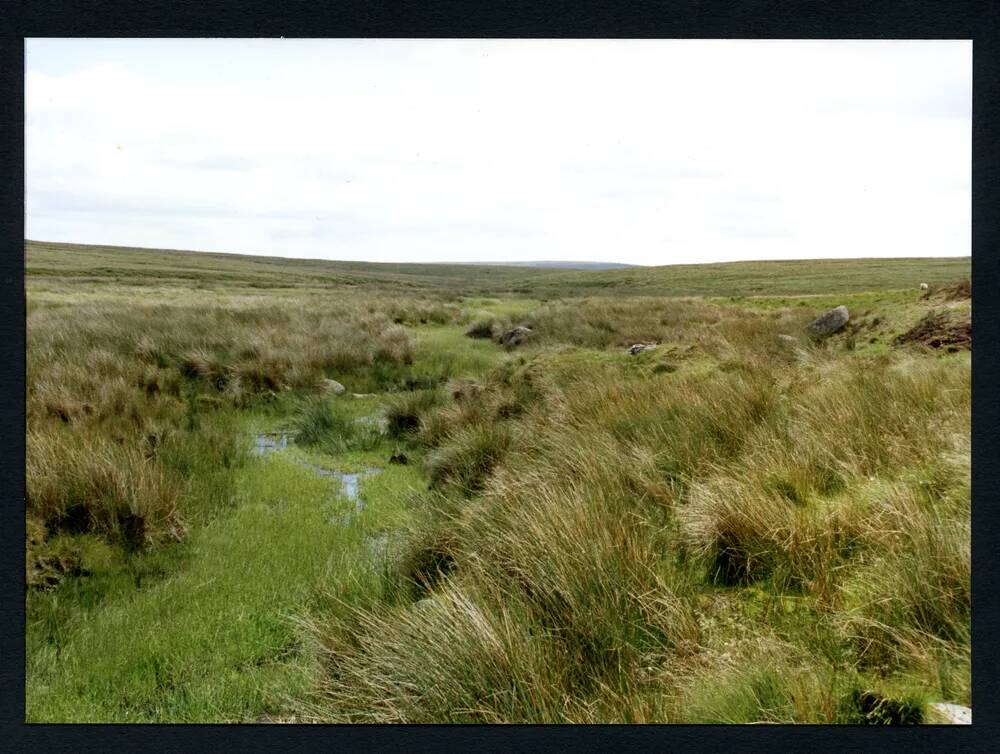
point(748, 19)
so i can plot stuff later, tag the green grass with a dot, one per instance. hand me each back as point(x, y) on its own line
point(731, 527)
point(204, 631)
point(54, 263)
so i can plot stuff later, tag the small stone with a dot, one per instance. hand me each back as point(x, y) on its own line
point(924, 286)
point(787, 339)
point(942, 713)
point(332, 386)
point(515, 336)
point(829, 322)
point(640, 347)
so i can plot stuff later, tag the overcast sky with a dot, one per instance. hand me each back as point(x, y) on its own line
point(649, 152)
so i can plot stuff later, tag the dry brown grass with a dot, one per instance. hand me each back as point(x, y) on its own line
point(109, 381)
point(588, 507)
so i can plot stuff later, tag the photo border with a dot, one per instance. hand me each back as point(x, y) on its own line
point(688, 19)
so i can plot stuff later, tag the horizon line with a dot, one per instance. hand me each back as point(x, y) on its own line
point(508, 263)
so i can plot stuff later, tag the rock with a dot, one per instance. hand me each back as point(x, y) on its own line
point(515, 336)
point(942, 713)
point(640, 347)
point(924, 286)
point(789, 339)
point(332, 386)
point(363, 395)
point(829, 322)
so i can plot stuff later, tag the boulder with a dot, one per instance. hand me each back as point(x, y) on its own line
point(829, 322)
point(515, 336)
point(332, 387)
point(941, 713)
point(640, 347)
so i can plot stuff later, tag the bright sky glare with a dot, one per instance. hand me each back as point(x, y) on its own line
point(640, 151)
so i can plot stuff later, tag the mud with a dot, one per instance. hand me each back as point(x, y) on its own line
point(951, 331)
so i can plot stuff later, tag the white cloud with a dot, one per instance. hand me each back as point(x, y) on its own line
point(653, 152)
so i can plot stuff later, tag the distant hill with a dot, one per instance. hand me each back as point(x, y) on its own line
point(558, 265)
point(63, 263)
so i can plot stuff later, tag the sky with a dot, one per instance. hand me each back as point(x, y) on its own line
point(639, 151)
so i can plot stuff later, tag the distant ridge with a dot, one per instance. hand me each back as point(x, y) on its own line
point(558, 265)
point(93, 264)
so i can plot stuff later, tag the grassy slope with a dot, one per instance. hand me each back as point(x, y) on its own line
point(156, 267)
point(774, 278)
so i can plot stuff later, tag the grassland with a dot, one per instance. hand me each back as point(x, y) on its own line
point(73, 263)
point(731, 527)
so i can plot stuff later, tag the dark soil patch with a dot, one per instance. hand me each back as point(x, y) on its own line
point(876, 709)
point(948, 330)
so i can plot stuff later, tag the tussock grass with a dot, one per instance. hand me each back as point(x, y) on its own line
point(404, 412)
point(109, 383)
point(596, 508)
point(82, 483)
point(731, 527)
point(483, 328)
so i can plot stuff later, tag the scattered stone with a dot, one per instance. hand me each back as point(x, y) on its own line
point(515, 336)
point(942, 713)
point(829, 322)
point(332, 386)
point(399, 458)
point(640, 347)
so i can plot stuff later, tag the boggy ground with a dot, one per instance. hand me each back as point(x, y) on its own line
point(731, 527)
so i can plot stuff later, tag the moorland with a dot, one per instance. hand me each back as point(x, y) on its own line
point(278, 490)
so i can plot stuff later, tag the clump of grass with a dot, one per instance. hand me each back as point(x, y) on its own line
point(81, 483)
point(109, 376)
point(908, 600)
point(610, 510)
point(327, 426)
point(467, 461)
point(466, 653)
point(483, 328)
point(405, 412)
